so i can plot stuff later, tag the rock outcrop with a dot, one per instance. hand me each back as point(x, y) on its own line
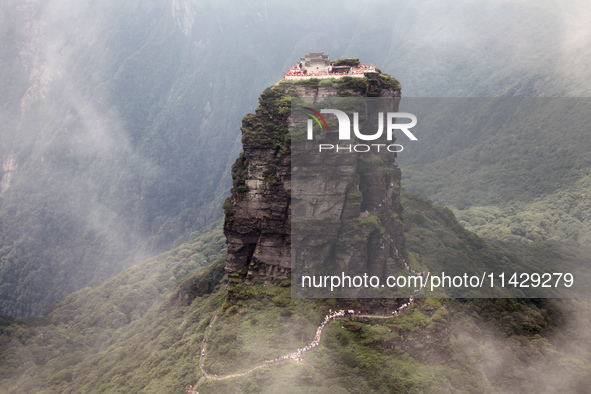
point(258, 214)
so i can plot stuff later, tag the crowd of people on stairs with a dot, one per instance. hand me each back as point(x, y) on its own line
point(297, 356)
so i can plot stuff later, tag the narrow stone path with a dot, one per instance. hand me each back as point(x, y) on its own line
point(192, 389)
point(295, 356)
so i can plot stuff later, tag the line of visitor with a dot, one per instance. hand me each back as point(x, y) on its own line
point(297, 355)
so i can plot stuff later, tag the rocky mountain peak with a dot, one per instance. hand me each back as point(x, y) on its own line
point(258, 214)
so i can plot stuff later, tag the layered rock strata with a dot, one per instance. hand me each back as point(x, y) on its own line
point(258, 214)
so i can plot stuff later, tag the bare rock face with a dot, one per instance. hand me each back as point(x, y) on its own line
point(258, 214)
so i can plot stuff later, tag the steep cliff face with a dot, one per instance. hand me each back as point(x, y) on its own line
point(258, 214)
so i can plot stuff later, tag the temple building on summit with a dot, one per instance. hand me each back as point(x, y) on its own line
point(318, 65)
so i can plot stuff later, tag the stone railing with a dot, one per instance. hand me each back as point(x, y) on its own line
point(323, 76)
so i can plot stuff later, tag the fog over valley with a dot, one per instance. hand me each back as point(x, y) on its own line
point(120, 127)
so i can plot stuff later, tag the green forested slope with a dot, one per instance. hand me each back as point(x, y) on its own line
point(123, 117)
point(141, 331)
point(133, 332)
point(519, 170)
point(563, 215)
